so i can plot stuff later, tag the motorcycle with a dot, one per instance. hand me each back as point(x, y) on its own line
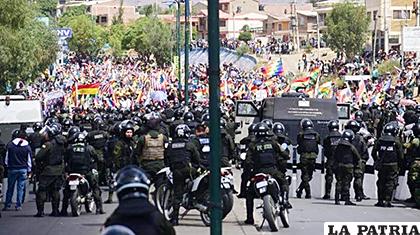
point(242, 156)
point(79, 193)
point(273, 203)
point(196, 194)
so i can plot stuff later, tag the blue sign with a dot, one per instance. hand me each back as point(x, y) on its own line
point(64, 33)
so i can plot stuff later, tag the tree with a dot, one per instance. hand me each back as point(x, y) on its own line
point(347, 28)
point(70, 13)
point(88, 38)
point(149, 35)
point(119, 18)
point(27, 46)
point(47, 7)
point(245, 35)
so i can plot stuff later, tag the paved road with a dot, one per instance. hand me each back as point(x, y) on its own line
point(307, 215)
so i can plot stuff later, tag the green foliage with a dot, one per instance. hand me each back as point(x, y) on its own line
point(246, 28)
point(308, 48)
point(347, 28)
point(27, 46)
point(119, 19)
point(88, 38)
point(150, 36)
point(47, 7)
point(388, 66)
point(114, 36)
point(70, 13)
point(152, 9)
point(245, 36)
point(242, 50)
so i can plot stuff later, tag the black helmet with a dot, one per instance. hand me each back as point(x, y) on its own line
point(205, 119)
point(364, 106)
point(99, 124)
point(153, 120)
point(416, 130)
point(179, 113)
point(353, 125)
point(51, 120)
point(222, 123)
point(348, 135)
point(278, 128)
point(79, 137)
point(52, 130)
point(73, 131)
point(126, 125)
point(418, 109)
point(269, 123)
point(333, 125)
point(131, 182)
point(37, 126)
point(188, 117)
point(390, 129)
point(182, 131)
point(67, 123)
point(306, 124)
point(19, 134)
point(261, 130)
point(358, 116)
point(251, 129)
point(136, 120)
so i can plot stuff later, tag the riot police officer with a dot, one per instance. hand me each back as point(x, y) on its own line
point(346, 161)
point(413, 161)
point(246, 142)
point(361, 146)
point(123, 151)
point(35, 141)
point(329, 144)
point(388, 156)
point(97, 138)
point(189, 120)
point(228, 145)
point(308, 141)
point(134, 210)
point(79, 158)
point(151, 147)
point(183, 159)
point(50, 168)
point(201, 140)
point(263, 156)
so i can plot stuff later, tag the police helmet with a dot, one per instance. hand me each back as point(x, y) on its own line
point(353, 125)
point(51, 120)
point(79, 137)
point(205, 119)
point(390, 129)
point(188, 117)
point(306, 124)
point(348, 135)
point(37, 126)
point(416, 130)
point(278, 128)
point(364, 106)
point(131, 182)
point(182, 131)
point(126, 125)
point(358, 116)
point(73, 131)
point(67, 123)
point(251, 129)
point(117, 230)
point(136, 120)
point(52, 130)
point(269, 123)
point(261, 129)
point(19, 134)
point(333, 125)
point(153, 120)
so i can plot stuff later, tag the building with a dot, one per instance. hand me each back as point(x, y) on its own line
point(390, 16)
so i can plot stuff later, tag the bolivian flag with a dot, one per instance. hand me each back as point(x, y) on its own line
point(86, 89)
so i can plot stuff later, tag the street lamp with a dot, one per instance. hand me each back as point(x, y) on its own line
point(187, 50)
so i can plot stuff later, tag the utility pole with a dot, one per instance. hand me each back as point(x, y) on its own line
point(215, 137)
point(178, 44)
point(374, 40)
point(386, 32)
point(187, 50)
point(317, 34)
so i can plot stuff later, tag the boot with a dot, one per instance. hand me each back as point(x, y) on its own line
point(40, 208)
point(109, 201)
point(388, 204)
point(39, 214)
point(299, 193)
point(55, 212)
point(358, 198)
point(308, 193)
point(364, 197)
point(249, 220)
point(174, 220)
point(99, 208)
point(349, 203)
point(380, 204)
point(410, 200)
point(326, 197)
point(337, 198)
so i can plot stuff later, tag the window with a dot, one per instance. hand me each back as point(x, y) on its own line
point(222, 23)
point(103, 19)
point(401, 14)
point(273, 26)
point(375, 14)
point(280, 27)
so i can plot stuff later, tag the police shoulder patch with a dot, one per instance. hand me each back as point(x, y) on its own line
point(178, 145)
point(100, 136)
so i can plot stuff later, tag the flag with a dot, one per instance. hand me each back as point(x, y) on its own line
point(86, 89)
point(300, 83)
point(273, 69)
point(361, 90)
point(345, 95)
point(325, 90)
point(387, 85)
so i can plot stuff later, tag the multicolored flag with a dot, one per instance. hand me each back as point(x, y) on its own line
point(273, 69)
point(86, 89)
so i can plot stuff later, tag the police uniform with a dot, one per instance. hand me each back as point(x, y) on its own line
point(150, 150)
point(50, 167)
point(413, 162)
point(202, 143)
point(329, 144)
point(388, 156)
point(228, 149)
point(263, 156)
point(346, 160)
point(97, 139)
point(308, 141)
point(361, 146)
point(183, 158)
point(247, 141)
point(80, 158)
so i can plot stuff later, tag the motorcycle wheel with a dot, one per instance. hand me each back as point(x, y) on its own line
point(75, 205)
point(205, 215)
point(284, 217)
point(159, 194)
point(269, 212)
point(89, 204)
point(227, 202)
point(167, 203)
